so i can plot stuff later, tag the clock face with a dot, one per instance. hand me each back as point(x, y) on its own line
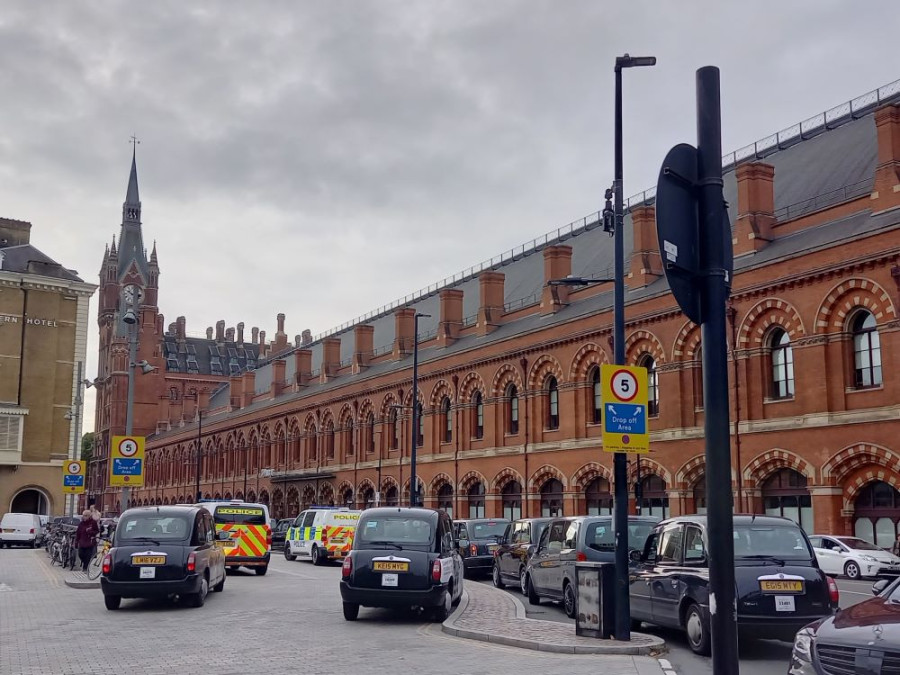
point(133, 294)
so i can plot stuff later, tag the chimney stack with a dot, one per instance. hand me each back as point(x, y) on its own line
point(363, 346)
point(209, 333)
point(220, 330)
point(298, 341)
point(756, 207)
point(306, 338)
point(263, 346)
point(331, 358)
point(404, 328)
point(302, 368)
point(886, 191)
point(646, 264)
point(240, 333)
point(229, 335)
point(280, 335)
point(451, 316)
point(491, 301)
point(254, 332)
point(557, 265)
point(181, 328)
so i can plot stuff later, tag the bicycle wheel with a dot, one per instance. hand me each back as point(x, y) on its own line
point(96, 565)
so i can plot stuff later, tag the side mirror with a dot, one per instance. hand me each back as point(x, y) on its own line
point(222, 535)
point(635, 556)
point(879, 586)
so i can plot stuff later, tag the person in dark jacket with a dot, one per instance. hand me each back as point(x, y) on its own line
point(84, 538)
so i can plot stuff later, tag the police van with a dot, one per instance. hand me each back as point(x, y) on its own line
point(250, 543)
point(321, 533)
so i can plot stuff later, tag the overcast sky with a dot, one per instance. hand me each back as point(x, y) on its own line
point(324, 158)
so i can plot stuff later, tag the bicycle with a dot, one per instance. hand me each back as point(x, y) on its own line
point(95, 566)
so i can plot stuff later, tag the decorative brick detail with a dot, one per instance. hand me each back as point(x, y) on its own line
point(438, 482)
point(545, 473)
point(387, 482)
point(343, 486)
point(686, 342)
point(505, 374)
point(643, 341)
point(848, 295)
point(587, 473)
point(854, 487)
point(326, 492)
point(649, 466)
point(588, 356)
point(543, 366)
point(844, 462)
point(441, 388)
point(766, 314)
point(469, 480)
point(764, 465)
point(470, 384)
point(364, 484)
point(505, 476)
point(690, 472)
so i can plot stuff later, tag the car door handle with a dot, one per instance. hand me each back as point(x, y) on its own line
point(674, 582)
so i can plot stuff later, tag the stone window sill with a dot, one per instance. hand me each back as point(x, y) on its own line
point(768, 399)
point(861, 390)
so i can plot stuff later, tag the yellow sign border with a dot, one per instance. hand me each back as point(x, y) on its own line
point(74, 489)
point(114, 454)
point(615, 442)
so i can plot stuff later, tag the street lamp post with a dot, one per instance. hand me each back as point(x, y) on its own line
point(74, 415)
point(199, 451)
point(413, 477)
point(620, 467)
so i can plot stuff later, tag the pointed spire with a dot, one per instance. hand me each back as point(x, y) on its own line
point(153, 260)
point(112, 250)
point(131, 209)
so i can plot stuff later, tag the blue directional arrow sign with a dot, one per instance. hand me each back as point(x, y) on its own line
point(126, 467)
point(625, 418)
point(73, 481)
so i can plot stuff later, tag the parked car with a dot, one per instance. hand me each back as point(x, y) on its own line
point(402, 557)
point(164, 551)
point(515, 548)
point(279, 530)
point(321, 533)
point(550, 572)
point(21, 529)
point(478, 540)
point(867, 633)
point(249, 539)
point(853, 557)
point(779, 586)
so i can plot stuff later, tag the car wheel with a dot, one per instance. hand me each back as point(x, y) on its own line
point(697, 628)
point(197, 599)
point(287, 553)
point(219, 587)
point(523, 581)
point(851, 570)
point(261, 571)
point(570, 602)
point(35, 544)
point(442, 611)
point(315, 556)
point(351, 611)
point(497, 579)
point(112, 601)
point(533, 597)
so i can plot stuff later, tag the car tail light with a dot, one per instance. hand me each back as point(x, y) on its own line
point(192, 562)
point(580, 556)
point(268, 535)
point(31, 531)
point(473, 549)
point(107, 563)
point(347, 567)
point(833, 591)
point(436, 570)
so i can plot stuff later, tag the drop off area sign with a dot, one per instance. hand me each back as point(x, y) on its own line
point(624, 399)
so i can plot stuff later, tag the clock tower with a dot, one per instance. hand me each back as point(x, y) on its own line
point(128, 280)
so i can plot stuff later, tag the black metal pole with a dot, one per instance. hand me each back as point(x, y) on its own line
point(199, 450)
point(415, 414)
point(713, 296)
point(620, 468)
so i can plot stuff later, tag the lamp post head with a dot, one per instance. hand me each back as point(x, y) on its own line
point(628, 61)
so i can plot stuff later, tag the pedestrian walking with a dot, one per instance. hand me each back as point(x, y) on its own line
point(84, 538)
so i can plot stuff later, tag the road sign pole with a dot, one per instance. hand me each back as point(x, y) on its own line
point(713, 286)
point(129, 410)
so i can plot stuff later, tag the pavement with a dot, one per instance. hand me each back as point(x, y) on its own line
point(490, 615)
point(288, 621)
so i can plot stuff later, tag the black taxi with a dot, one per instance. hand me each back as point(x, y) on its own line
point(779, 586)
point(402, 557)
point(163, 551)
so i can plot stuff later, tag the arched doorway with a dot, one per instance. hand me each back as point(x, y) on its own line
point(654, 498)
point(597, 497)
point(511, 495)
point(30, 500)
point(476, 500)
point(876, 514)
point(552, 498)
point(700, 496)
point(392, 496)
point(445, 498)
point(784, 493)
point(367, 498)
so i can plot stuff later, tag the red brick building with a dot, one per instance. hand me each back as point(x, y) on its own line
point(508, 366)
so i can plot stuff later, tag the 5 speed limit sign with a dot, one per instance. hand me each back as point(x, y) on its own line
point(624, 397)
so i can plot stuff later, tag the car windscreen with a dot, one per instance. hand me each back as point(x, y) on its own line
point(152, 527)
point(858, 544)
point(601, 535)
point(396, 529)
point(756, 541)
point(487, 529)
point(240, 515)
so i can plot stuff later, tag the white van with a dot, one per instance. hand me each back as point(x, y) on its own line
point(321, 533)
point(22, 529)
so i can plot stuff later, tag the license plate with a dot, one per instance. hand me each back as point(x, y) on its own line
point(387, 566)
point(8, 529)
point(780, 586)
point(226, 544)
point(785, 603)
point(148, 573)
point(148, 560)
point(337, 540)
point(494, 547)
point(389, 579)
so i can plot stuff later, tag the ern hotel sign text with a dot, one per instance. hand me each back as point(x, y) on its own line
point(29, 321)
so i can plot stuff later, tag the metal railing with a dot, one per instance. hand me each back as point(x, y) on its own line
point(826, 199)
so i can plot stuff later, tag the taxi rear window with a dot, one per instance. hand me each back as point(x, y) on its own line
point(153, 528)
point(240, 515)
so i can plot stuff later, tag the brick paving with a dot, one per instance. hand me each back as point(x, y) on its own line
point(491, 615)
point(286, 622)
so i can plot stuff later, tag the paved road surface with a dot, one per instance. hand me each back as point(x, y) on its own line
point(289, 621)
point(759, 657)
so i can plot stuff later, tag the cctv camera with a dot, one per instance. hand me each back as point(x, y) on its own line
point(69, 415)
point(130, 317)
point(145, 367)
point(87, 383)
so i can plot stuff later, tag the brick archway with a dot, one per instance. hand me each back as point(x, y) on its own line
point(545, 473)
point(650, 466)
point(691, 471)
point(543, 366)
point(471, 383)
point(643, 341)
point(853, 457)
point(438, 482)
point(849, 294)
point(587, 473)
point(763, 316)
point(505, 374)
point(469, 480)
point(588, 356)
point(504, 476)
point(686, 342)
point(765, 464)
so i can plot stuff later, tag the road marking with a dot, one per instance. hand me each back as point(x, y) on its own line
point(293, 574)
point(858, 593)
point(666, 667)
point(50, 574)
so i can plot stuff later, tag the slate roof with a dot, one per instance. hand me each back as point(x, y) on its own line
point(207, 357)
point(830, 167)
point(17, 258)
